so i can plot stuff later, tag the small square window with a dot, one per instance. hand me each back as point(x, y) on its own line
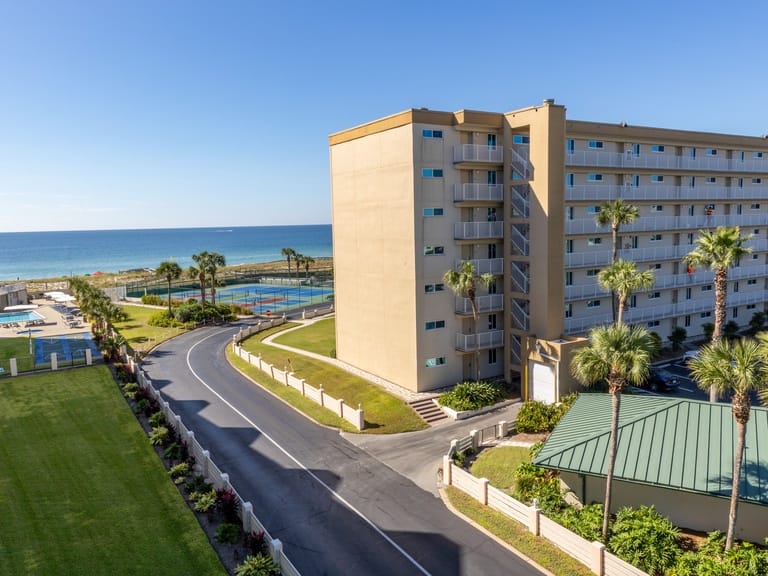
point(595, 144)
point(657, 208)
point(757, 155)
point(711, 151)
point(711, 180)
point(757, 180)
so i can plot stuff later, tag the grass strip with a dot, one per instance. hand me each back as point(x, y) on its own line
point(516, 535)
point(81, 489)
point(137, 331)
point(318, 337)
point(499, 464)
point(384, 413)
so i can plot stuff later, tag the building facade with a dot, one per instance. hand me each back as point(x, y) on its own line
point(516, 193)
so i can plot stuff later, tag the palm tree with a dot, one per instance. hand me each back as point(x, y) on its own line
point(618, 354)
point(170, 271)
point(622, 278)
point(464, 284)
point(307, 261)
point(200, 273)
point(718, 251)
point(614, 213)
point(288, 253)
point(738, 367)
point(213, 262)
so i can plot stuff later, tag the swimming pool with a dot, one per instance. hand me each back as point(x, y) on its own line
point(18, 317)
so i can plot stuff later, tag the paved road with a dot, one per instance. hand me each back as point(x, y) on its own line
point(336, 508)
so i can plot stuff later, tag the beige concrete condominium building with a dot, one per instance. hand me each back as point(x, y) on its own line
point(516, 193)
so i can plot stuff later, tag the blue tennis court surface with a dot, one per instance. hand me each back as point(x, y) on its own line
point(67, 347)
point(265, 298)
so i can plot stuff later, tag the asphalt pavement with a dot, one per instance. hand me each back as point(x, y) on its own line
point(340, 503)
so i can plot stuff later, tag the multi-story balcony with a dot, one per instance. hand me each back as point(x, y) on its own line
point(481, 340)
point(484, 266)
point(649, 313)
point(478, 153)
point(661, 223)
point(478, 230)
point(654, 192)
point(664, 162)
point(471, 192)
point(484, 304)
point(667, 281)
point(649, 254)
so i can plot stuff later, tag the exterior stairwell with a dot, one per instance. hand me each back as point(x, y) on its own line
point(428, 410)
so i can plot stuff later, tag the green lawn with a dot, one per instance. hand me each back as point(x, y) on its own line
point(319, 337)
point(81, 489)
point(498, 465)
point(384, 413)
point(137, 331)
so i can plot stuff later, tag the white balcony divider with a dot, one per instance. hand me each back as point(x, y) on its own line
point(485, 340)
point(478, 153)
point(472, 230)
point(520, 243)
point(519, 161)
point(469, 192)
point(520, 200)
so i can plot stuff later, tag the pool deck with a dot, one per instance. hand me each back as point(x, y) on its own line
point(53, 325)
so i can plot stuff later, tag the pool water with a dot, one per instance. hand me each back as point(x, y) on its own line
point(17, 317)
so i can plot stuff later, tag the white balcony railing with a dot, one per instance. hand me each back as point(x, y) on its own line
point(484, 266)
point(603, 192)
point(477, 230)
point(520, 200)
point(520, 317)
point(484, 304)
point(663, 161)
point(478, 153)
point(484, 340)
point(470, 192)
point(661, 223)
point(519, 276)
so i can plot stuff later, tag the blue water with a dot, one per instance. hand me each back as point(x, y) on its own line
point(30, 255)
point(16, 317)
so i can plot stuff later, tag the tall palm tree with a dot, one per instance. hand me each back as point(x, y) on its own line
point(718, 251)
point(464, 284)
point(738, 367)
point(288, 253)
point(618, 354)
point(200, 273)
point(307, 261)
point(614, 213)
point(622, 278)
point(213, 262)
point(170, 271)
point(299, 260)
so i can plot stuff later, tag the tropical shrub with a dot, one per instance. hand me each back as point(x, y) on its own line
point(472, 395)
point(256, 543)
point(259, 565)
point(197, 485)
point(228, 504)
point(645, 539)
point(157, 419)
point(130, 389)
point(744, 559)
point(159, 435)
point(205, 501)
point(536, 417)
point(677, 337)
point(161, 319)
point(228, 533)
point(587, 522)
point(535, 483)
point(460, 458)
point(179, 472)
point(152, 300)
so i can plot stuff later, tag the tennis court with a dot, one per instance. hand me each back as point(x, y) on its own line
point(68, 348)
point(265, 299)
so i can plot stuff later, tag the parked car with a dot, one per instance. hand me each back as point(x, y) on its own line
point(661, 381)
point(688, 355)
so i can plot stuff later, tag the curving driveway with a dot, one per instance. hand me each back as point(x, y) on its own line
point(336, 508)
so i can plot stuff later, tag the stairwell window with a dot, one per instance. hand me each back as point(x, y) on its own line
point(569, 179)
point(520, 139)
point(427, 133)
point(432, 172)
point(569, 278)
point(433, 362)
point(434, 325)
point(428, 212)
point(434, 250)
point(432, 288)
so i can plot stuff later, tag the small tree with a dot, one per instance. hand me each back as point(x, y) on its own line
point(757, 322)
point(170, 271)
point(677, 337)
point(731, 329)
point(709, 329)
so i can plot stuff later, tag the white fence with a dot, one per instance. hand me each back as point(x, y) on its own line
point(219, 479)
point(591, 554)
point(354, 416)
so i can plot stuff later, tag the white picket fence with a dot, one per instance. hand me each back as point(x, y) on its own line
point(354, 416)
point(213, 474)
point(591, 554)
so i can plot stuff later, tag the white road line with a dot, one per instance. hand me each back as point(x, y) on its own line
point(300, 465)
point(686, 389)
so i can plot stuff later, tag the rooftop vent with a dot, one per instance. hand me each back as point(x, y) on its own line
point(548, 101)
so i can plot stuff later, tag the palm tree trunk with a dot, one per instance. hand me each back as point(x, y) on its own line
point(741, 431)
point(477, 340)
point(614, 240)
point(615, 406)
point(620, 317)
point(170, 311)
point(721, 291)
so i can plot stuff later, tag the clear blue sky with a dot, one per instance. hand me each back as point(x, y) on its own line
point(167, 113)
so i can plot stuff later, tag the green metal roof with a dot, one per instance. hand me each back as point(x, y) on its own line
point(666, 442)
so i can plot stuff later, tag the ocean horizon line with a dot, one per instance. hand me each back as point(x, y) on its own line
point(221, 227)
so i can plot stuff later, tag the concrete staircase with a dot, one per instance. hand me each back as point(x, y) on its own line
point(427, 409)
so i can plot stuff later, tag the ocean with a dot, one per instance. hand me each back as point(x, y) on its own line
point(31, 255)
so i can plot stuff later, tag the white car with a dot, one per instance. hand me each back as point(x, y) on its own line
point(688, 355)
